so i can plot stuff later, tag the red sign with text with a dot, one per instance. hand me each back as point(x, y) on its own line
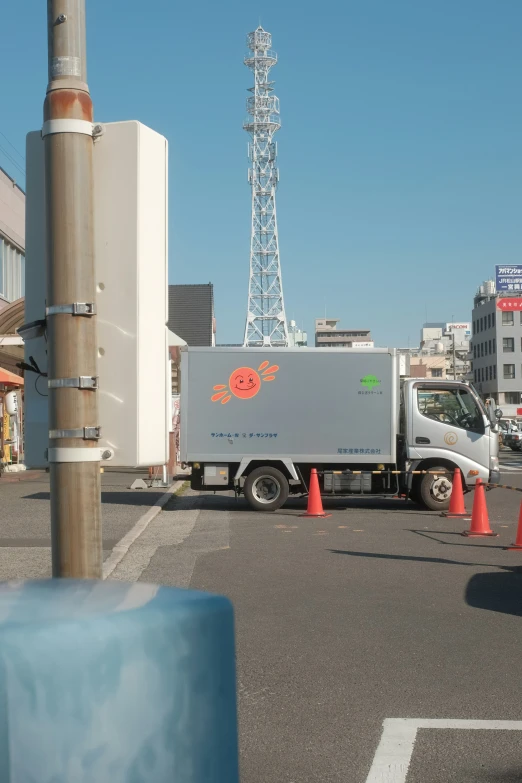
point(509, 304)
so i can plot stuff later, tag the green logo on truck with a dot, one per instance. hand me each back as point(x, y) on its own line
point(370, 381)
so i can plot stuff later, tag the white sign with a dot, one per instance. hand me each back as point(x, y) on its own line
point(454, 327)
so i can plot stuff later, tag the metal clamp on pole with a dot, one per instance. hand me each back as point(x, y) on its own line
point(76, 308)
point(86, 433)
point(72, 454)
point(83, 382)
point(67, 126)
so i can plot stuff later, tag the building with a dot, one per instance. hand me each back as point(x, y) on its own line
point(296, 337)
point(497, 345)
point(444, 351)
point(425, 366)
point(12, 287)
point(12, 240)
point(452, 340)
point(327, 335)
point(191, 313)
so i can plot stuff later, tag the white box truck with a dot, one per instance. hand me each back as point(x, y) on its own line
point(257, 420)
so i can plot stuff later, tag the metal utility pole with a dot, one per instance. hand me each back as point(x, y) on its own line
point(74, 456)
point(454, 360)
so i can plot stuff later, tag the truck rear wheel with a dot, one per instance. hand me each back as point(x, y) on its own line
point(435, 489)
point(266, 489)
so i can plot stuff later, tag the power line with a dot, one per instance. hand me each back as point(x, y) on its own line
point(13, 161)
point(13, 146)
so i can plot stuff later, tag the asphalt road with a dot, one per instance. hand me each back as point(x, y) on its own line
point(380, 611)
point(25, 531)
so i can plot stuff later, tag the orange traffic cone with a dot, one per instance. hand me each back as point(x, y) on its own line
point(518, 540)
point(315, 504)
point(456, 506)
point(479, 515)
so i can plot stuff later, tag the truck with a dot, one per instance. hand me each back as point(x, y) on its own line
point(256, 421)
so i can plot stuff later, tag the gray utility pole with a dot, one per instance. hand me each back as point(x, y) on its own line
point(74, 456)
point(454, 359)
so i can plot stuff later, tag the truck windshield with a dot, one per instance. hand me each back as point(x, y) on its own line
point(456, 407)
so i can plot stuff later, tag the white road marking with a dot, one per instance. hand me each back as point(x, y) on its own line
point(123, 545)
point(510, 468)
point(393, 755)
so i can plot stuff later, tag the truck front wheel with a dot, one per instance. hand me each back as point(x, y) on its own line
point(266, 489)
point(435, 489)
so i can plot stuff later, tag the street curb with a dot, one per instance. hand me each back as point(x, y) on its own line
point(25, 475)
point(122, 547)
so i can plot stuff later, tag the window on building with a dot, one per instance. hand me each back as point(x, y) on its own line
point(509, 372)
point(475, 375)
point(511, 398)
point(487, 373)
point(493, 320)
point(491, 346)
point(508, 319)
point(475, 351)
point(436, 372)
point(486, 348)
point(482, 349)
point(494, 372)
point(12, 271)
point(482, 374)
point(508, 344)
point(489, 321)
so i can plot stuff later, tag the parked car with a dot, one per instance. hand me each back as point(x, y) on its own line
point(511, 434)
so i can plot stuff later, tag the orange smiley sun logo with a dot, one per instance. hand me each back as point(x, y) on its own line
point(244, 383)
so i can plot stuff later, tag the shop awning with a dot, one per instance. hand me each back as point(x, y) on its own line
point(10, 378)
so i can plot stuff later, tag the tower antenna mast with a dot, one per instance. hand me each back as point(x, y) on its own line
point(266, 324)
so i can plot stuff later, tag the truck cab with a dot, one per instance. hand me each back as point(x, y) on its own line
point(447, 426)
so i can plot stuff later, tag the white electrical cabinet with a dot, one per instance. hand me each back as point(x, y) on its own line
point(130, 223)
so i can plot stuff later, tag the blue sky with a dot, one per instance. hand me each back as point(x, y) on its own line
point(399, 152)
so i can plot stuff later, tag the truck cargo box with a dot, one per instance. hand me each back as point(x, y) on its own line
point(309, 405)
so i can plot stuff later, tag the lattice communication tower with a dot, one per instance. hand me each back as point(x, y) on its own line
point(266, 319)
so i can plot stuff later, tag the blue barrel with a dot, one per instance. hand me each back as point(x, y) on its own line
point(108, 682)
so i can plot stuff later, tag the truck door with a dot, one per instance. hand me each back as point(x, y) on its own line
point(447, 422)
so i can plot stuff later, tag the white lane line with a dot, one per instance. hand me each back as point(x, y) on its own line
point(124, 544)
point(393, 755)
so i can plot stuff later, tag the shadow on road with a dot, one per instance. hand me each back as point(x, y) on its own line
point(298, 504)
point(497, 592)
point(433, 536)
point(410, 558)
point(130, 498)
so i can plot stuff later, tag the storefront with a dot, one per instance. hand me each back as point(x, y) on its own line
point(11, 419)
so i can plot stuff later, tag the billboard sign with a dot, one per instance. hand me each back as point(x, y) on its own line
point(508, 278)
point(456, 327)
point(508, 304)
